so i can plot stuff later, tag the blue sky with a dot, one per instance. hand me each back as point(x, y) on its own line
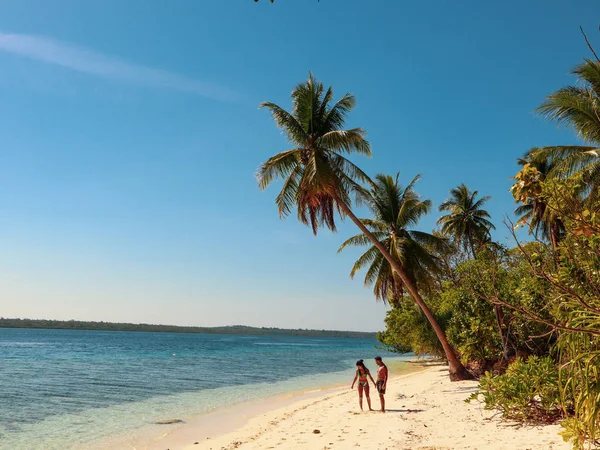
point(130, 135)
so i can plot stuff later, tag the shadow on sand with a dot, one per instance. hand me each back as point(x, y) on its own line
point(429, 362)
point(462, 390)
point(410, 411)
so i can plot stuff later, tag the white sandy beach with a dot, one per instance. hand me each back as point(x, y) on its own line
point(425, 412)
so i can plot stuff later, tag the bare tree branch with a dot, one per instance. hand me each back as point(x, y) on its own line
point(586, 41)
point(535, 317)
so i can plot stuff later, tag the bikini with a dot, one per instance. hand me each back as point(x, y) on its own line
point(362, 383)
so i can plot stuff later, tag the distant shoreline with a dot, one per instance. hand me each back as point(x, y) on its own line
point(142, 327)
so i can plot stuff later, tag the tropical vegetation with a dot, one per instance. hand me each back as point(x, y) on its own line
point(524, 319)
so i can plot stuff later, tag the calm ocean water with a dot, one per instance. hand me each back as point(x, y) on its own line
point(63, 388)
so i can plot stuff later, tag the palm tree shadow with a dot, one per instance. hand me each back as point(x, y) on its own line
point(461, 389)
point(405, 410)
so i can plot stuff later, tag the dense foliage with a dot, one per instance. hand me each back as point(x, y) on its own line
point(482, 332)
point(525, 319)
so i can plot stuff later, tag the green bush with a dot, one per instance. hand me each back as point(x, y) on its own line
point(472, 328)
point(528, 392)
point(407, 330)
point(580, 383)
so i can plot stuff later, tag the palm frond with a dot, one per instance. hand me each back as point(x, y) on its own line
point(412, 183)
point(479, 203)
point(364, 260)
point(379, 272)
point(347, 168)
point(435, 243)
point(376, 225)
point(278, 166)
point(565, 160)
point(287, 122)
point(523, 209)
point(411, 212)
point(360, 240)
point(346, 141)
point(288, 196)
point(576, 107)
point(336, 116)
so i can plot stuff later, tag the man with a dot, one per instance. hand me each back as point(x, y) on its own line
point(382, 376)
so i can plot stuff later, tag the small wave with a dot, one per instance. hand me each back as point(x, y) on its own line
point(22, 344)
point(287, 344)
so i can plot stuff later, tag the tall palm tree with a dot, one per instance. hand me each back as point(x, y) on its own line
point(578, 107)
point(395, 208)
point(319, 180)
point(466, 221)
point(542, 221)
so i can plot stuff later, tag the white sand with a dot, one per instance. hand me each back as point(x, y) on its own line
point(426, 412)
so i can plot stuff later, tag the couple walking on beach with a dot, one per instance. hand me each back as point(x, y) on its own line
point(362, 375)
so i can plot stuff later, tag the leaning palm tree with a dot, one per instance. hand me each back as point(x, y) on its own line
point(466, 221)
point(578, 107)
point(395, 208)
point(319, 180)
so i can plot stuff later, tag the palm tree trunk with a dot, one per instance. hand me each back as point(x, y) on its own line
point(554, 236)
point(554, 242)
point(472, 246)
point(456, 369)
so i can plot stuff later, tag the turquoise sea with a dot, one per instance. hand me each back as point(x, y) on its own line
point(66, 388)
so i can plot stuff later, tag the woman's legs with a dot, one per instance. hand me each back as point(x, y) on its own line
point(360, 394)
point(368, 398)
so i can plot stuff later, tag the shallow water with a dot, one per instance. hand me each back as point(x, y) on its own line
point(63, 388)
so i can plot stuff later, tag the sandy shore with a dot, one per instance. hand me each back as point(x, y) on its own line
point(425, 412)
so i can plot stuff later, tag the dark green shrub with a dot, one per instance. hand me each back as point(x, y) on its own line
point(528, 392)
point(407, 330)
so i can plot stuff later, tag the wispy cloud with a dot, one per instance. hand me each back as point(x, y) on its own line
point(86, 61)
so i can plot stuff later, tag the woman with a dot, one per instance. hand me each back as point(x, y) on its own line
point(363, 383)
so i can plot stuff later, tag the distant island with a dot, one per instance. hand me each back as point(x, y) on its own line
point(234, 329)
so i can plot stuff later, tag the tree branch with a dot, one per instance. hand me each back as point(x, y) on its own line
point(542, 274)
point(535, 317)
point(586, 41)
